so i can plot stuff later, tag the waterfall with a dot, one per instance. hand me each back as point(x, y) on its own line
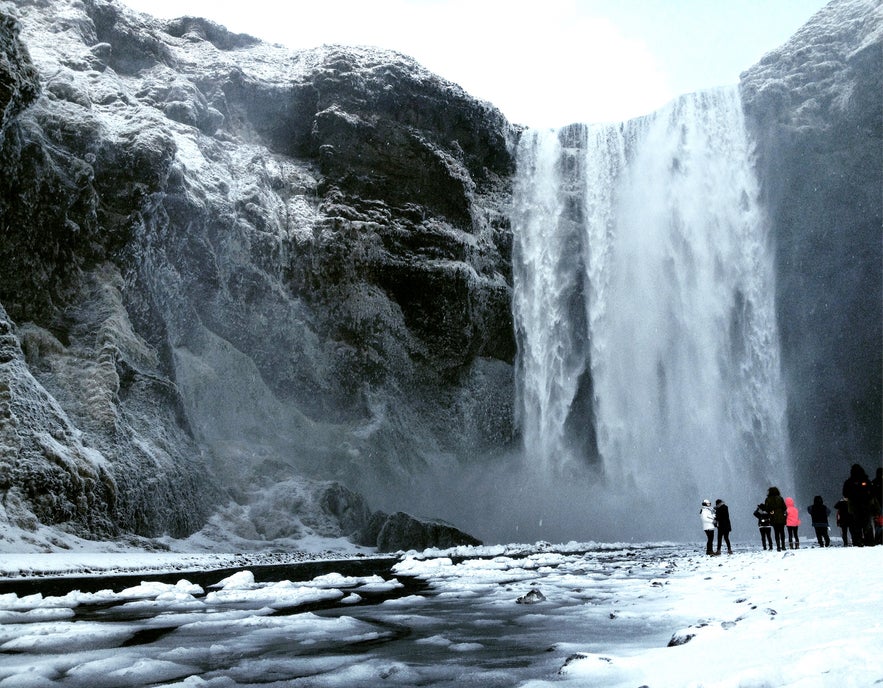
point(644, 309)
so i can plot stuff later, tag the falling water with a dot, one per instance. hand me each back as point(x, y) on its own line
point(644, 309)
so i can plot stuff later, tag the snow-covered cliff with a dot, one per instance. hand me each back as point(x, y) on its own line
point(219, 254)
point(247, 287)
point(814, 107)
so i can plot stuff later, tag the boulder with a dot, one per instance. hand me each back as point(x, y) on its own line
point(401, 531)
point(533, 596)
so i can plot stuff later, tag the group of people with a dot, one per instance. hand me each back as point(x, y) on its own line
point(860, 510)
point(859, 515)
point(778, 513)
point(716, 517)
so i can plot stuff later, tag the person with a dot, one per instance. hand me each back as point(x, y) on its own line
point(857, 491)
point(775, 506)
point(842, 518)
point(792, 520)
point(763, 524)
point(819, 513)
point(877, 505)
point(722, 516)
point(706, 516)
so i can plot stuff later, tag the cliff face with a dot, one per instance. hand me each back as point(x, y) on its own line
point(815, 111)
point(218, 253)
point(232, 273)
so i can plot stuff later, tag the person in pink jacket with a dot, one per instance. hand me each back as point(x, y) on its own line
point(792, 520)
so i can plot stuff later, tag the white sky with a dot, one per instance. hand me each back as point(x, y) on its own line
point(542, 63)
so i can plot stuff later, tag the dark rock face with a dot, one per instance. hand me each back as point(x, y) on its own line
point(19, 82)
point(814, 109)
point(219, 257)
point(403, 532)
point(218, 253)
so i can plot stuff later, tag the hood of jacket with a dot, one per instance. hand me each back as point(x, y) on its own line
point(789, 501)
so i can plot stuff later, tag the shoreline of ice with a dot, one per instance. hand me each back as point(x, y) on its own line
point(30, 565)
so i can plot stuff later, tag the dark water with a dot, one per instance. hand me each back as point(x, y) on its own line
point(459, 624)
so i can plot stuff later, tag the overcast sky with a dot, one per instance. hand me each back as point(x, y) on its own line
point(543, 63)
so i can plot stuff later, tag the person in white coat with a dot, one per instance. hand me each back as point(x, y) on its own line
point(706, 515)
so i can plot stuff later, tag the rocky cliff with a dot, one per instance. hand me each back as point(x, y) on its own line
point(240, 285)
point(814, 107)
point(220, 255)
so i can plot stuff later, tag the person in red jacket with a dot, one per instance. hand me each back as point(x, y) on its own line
point(792, 520)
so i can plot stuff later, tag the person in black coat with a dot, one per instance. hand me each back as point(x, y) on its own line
point(857, 491)
point(877, 505)
point(722, 516)
point(764, 526)
point(842, 508)
point(775, 505)
point(819, 513)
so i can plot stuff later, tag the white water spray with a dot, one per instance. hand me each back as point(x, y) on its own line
point(644, 309)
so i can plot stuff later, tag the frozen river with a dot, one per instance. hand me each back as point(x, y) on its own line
point(440, 622)
point(665, 616)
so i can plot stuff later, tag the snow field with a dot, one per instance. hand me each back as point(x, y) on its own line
point(807, 619)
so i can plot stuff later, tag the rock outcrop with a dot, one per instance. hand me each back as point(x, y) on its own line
point(815, 112)
point(19, 82)
point(218, 253)
point(403, 532)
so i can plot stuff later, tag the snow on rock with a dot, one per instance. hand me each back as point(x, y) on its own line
point(275, 595)
point(241, 580)
point(116, 672)
point(151, 589)
point(813, 107)
point(132, 561)
point(221, 256)
point(32, 615)
point(56, 636)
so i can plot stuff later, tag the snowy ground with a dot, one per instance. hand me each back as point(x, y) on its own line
point(612, 615)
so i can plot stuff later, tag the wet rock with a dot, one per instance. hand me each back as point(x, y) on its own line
point(683, 636)
point(532, 597)
point(813, 107)
point(402, 532)
point(19, 81)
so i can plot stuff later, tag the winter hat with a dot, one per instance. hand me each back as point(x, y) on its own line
point(706, 502)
